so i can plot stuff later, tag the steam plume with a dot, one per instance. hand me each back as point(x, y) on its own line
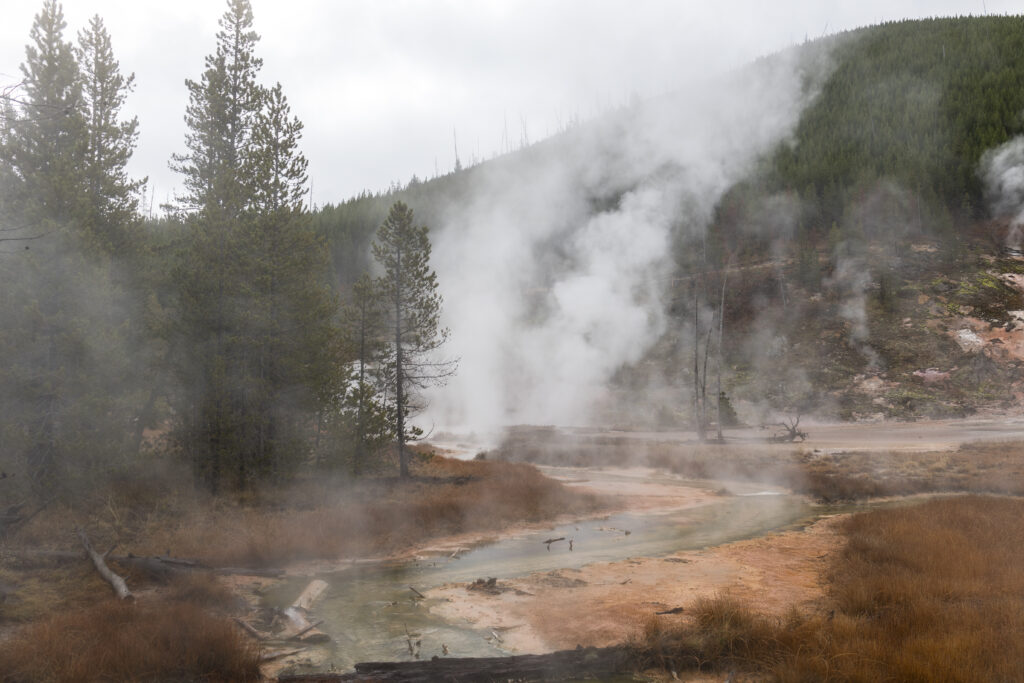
point(556, 269)
point(1002, 170)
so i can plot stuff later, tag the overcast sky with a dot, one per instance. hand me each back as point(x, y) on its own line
point(383, 86)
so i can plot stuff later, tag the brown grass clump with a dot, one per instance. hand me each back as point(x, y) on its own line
point(203, 590)
point(933, 592)
point(122, 641)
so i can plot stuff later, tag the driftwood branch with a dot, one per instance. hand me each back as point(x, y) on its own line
point(116, 581)
point(789, 433)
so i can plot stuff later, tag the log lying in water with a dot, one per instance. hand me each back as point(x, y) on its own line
point(564, 665)
point(297, 614)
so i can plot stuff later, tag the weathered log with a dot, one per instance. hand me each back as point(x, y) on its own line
point(116, 582)
point(310, 594)
point(312, 625)
point(566, 665)
point(271, 655)
point(302, 628)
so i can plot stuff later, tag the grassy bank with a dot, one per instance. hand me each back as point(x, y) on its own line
point(932, 592)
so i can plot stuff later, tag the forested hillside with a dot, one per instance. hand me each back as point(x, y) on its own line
point(847, 251)
point(916, 102)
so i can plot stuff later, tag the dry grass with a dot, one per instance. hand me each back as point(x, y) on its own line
point(315, 519)
point(933, 592)
point(121, 641)
point(380, 516)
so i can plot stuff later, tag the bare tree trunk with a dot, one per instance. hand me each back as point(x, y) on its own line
point(721, 326)
point(357, 466)
point(403, 458)
point(698, 413)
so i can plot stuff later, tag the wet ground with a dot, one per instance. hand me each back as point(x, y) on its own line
point(373, 613)
point(686, 539)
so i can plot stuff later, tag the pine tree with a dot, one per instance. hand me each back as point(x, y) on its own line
point(413, 310)
point(112, 196)
point(63, 385)
point(46, 144)
point(289, 328)
point(222, 111)
point(254, 330)
point(212, 287)
point(365, 415)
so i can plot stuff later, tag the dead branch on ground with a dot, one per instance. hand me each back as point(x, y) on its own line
point(116, 582)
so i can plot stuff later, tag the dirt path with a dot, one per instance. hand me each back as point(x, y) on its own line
point(606, 603)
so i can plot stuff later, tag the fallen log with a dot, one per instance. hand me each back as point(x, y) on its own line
point(302, 629)
point(278, 654)
point(116, 581)
point(48, 557)
point(312, 625)
point(310, 594)
point(575, 664)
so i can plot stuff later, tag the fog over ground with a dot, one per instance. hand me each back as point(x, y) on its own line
point(384, 87)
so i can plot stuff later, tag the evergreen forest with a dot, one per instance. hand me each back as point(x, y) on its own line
point(252, 337)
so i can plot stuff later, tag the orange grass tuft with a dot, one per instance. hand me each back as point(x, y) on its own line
point(121, 641)
point(933, 592)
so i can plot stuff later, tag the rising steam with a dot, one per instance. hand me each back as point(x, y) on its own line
point(1002, 170)
point(556, 268)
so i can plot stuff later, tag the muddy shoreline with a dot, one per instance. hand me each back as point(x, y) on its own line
point(607, 603)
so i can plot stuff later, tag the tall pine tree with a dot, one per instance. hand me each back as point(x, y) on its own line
point(112, 197)
point(63, 385)
point(254, 327)
point(412, 308)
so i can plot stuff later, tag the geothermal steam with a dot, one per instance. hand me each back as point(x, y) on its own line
point(556, 268)
point(1002, 169)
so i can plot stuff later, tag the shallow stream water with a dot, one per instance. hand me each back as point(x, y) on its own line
point(368, 610)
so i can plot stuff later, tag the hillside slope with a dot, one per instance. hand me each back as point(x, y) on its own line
point(862, 274)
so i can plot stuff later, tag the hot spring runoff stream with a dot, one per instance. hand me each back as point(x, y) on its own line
point(369, 609)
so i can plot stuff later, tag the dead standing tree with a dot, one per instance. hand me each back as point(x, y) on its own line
point(703, 338)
